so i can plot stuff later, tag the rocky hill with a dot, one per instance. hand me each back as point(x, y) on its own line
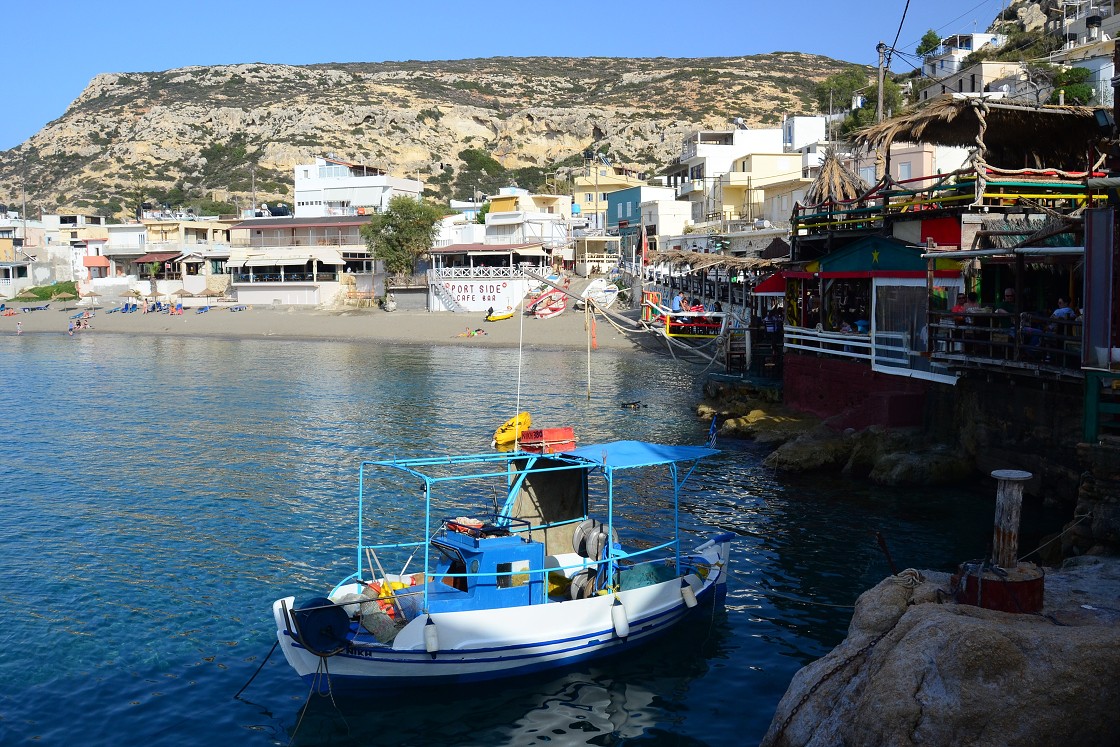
point(215, 132)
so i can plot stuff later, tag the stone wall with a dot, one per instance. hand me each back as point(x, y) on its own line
point(1015, 423)
point(851, 394)
point(1002, 422)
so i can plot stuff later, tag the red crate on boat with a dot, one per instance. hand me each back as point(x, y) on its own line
point(547, 440)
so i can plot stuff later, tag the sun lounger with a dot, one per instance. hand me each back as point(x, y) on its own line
point(237, 308)
point(202, 309)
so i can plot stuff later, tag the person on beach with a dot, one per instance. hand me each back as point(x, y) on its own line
point(19, 328)
point(70, 329)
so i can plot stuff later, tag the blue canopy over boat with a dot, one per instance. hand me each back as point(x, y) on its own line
point(628, 454)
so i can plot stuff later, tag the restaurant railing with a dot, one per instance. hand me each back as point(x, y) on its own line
point(474, 273)
point(287, 277)
point(955, 190)
point(888, 351)
point(984, 339)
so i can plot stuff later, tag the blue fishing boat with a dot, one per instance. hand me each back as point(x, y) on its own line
point(513, 564)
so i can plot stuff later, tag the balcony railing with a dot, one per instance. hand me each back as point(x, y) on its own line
point(1001, 191)
point(287, 277)
point(352, 243)
point(1021, 342)
point(454, 273)
point(887, 351)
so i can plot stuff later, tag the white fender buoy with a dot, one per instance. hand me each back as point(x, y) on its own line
point(618, 618)
point(687, 594)
point(431, 637)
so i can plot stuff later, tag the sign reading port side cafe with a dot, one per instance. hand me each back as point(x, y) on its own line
point(480, 295)
point(457, 292)
point(479, 277)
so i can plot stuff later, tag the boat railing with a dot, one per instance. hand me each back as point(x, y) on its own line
point(700, 323)
point(615, 556)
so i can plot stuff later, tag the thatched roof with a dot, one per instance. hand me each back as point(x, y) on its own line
point(835, 181)
point(1014, 136)
point(704, 260)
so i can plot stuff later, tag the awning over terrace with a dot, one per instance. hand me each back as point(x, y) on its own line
point(156, 257)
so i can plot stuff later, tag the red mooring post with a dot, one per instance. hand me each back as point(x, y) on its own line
point(1003, 583)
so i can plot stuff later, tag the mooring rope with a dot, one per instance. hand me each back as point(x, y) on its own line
point(321, 672)
point(266, 658)
point(1057, 537)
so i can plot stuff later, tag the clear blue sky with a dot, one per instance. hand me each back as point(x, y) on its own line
point(50, 51)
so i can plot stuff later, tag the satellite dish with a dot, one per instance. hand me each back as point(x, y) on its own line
point(738, 121)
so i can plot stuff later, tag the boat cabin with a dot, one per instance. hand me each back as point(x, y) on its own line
point(481, 567)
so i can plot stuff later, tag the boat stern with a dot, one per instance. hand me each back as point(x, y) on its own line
point(299, 658)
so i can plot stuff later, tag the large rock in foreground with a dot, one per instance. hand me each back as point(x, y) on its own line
point(914, 671)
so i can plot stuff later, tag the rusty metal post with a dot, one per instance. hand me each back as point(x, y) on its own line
point(1009, 501)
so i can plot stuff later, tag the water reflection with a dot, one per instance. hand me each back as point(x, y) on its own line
point(160, 493)
point(631, 698)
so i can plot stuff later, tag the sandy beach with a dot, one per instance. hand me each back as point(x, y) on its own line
point(400, 327)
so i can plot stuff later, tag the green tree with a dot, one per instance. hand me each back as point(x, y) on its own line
point(837, 90)
point(865, 116)
point(481, 172)
point(480, 216)
point(401, 234)
point(930, 41)
point(1072, 83)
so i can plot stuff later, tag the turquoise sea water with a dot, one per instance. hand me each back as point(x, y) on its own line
point(158, 494)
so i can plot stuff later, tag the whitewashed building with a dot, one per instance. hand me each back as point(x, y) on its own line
point(331, 187)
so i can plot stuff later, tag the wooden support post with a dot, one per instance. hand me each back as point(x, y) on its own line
point(1009, 501)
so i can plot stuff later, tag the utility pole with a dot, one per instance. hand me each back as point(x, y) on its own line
point(830, 116)
point(881, 48)
point(599, 222)
point(253, 189)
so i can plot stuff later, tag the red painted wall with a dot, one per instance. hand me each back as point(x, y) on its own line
point(830, 387)
point(944, 231)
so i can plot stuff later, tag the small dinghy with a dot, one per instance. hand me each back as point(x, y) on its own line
point(600, 291)
point(509, 431)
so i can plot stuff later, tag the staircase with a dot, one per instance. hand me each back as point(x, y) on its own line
point(446, 298)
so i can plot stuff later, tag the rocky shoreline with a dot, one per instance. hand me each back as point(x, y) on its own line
point(917, 667)
point(804, 443)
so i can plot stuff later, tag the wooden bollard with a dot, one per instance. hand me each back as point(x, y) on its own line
point(1009, 501)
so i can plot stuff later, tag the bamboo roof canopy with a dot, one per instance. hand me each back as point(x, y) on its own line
point(1008, 135)
point(835, 182)
point(705, 261)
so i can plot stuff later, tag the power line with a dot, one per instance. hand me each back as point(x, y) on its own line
point(894, 44)
point(950, 23)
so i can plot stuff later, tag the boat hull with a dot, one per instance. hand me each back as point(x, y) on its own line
point(555, 309)
point(485, 645)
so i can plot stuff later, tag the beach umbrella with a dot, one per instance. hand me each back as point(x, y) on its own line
point(183, 293)
point(27, 293)
point(92, 296)
point(132, 294)
point(63, 296)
